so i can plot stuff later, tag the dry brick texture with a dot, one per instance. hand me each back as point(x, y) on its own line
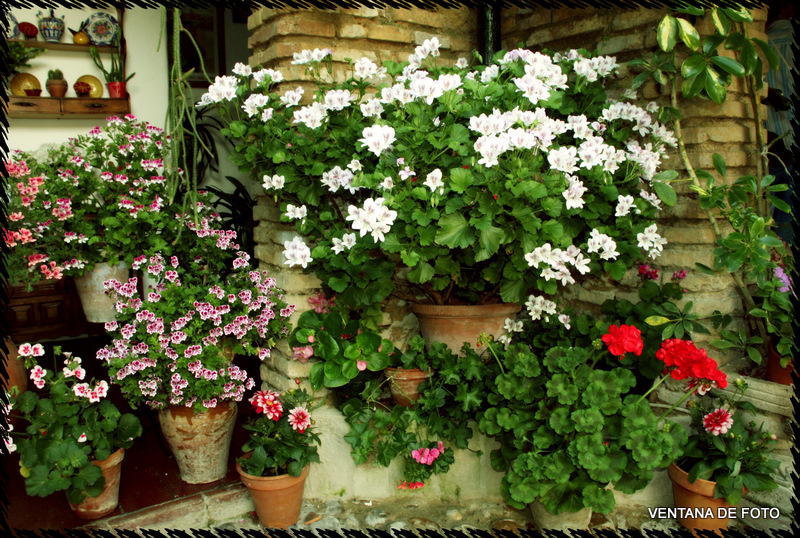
point(391, 34)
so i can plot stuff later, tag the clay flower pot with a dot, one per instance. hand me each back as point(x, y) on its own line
point(116, 90)
point(200, 442)
point(777, 373)
point(698, 496)
point(57, 87)
point(404, 384)
point(107, 501)
point(277, 498)
point(97, 306)
point(455, 324)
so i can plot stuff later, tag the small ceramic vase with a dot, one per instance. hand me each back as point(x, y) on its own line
point(52, 27)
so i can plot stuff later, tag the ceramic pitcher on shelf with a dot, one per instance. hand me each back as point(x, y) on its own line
point(52, 27)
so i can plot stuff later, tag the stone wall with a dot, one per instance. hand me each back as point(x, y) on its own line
point(707, 129)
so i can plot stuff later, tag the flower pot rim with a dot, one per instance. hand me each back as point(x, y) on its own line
point(243, 474)
point(459, 310)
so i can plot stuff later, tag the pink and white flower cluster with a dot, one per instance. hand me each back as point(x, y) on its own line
point(174, 346)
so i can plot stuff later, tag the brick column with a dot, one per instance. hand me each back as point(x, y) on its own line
point(380, 35)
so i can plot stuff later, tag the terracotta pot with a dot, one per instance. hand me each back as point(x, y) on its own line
point(699, 496)
point(97, 306)
point(277, 498)
point(404, 384)
point(57, 87)
point(545, 521)
point(200, 442)
point(455, 324)
point(777, 373)
point(116, 90)
point(108, 500)
point(15, 369)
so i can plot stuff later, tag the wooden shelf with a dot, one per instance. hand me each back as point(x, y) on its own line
point(66, 107)
point(72, 47)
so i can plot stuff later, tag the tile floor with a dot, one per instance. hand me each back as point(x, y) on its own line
point(149, 472)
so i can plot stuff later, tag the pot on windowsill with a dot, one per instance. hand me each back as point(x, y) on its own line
point(698, 496)
point(404, 384)
point(456, 324)
point(108, 500)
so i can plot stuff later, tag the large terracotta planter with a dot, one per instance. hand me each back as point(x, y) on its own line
point(16, 375)
point(546, 521)
point(777, 373)
point(699, 496)
point(108, 500)
point(277, 498)
point(404, 384)
point(97, 305)
point(455, 324)
point(200, 442)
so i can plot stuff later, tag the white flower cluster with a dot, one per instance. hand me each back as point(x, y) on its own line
point(650, 241)
point(339, 178)
point(603, 244)
point(557, 261)
point(310, 56)
point(296, 253)
point(373, 218)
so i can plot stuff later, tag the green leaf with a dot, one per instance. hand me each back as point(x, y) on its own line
point(655, 321)
point(692, 86)
point(749, 57)
point(422, 273)
point(455, 232)
point(740, 14)
point(667, 33)
point(665, 193)
point(688, 34)
point(729, 65)
point(714, 87)
point(719, 164)
point(693, 66)
point(769, 53)
point(721, 22)
point(461, 179)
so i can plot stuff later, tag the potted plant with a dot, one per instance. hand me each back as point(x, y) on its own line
point(281, 446)
point(725, 457)
point(173, 347)
point(741, 212)
point(406, 371)
point(570, 425)
point(75, 438)
point(460, 185)
point(115, 76)
point(19, 56)
point(56, 85)
point(342, 348)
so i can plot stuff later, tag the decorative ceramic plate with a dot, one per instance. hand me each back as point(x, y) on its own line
point(13, 30)
point(94, 83)
point(22, 82)
point(101, 28)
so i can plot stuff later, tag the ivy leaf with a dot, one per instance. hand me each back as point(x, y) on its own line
point(688, 34)
point(721, 22)
point(714, 87)
point(693, 66)
point(729, 65)
point(769, 53)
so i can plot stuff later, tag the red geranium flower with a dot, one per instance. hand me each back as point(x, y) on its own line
point(623, 339)
point(718, 422)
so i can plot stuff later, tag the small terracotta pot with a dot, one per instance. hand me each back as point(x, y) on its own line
point(200, 442)
point(699, 496)
point(455, 324)
point(777, 373)
point(57, 87)
point(108, 500)
point(404, 384)
point(277, 499)
point(116, 90)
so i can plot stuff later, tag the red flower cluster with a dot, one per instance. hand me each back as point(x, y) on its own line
point(647, 273)
point(623, 339)
point(687, 361)
point(410, 485)
point(267, 402)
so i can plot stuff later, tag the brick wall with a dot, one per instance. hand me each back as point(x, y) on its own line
point(707, 128)
point(391, 34)
point(381, 35)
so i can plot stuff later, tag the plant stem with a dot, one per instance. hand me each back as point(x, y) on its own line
point(737, 277)
point(654, 387)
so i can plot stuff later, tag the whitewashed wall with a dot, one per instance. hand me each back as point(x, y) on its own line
point(148, 89)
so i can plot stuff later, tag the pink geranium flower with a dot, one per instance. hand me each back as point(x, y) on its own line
point(300, 419)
